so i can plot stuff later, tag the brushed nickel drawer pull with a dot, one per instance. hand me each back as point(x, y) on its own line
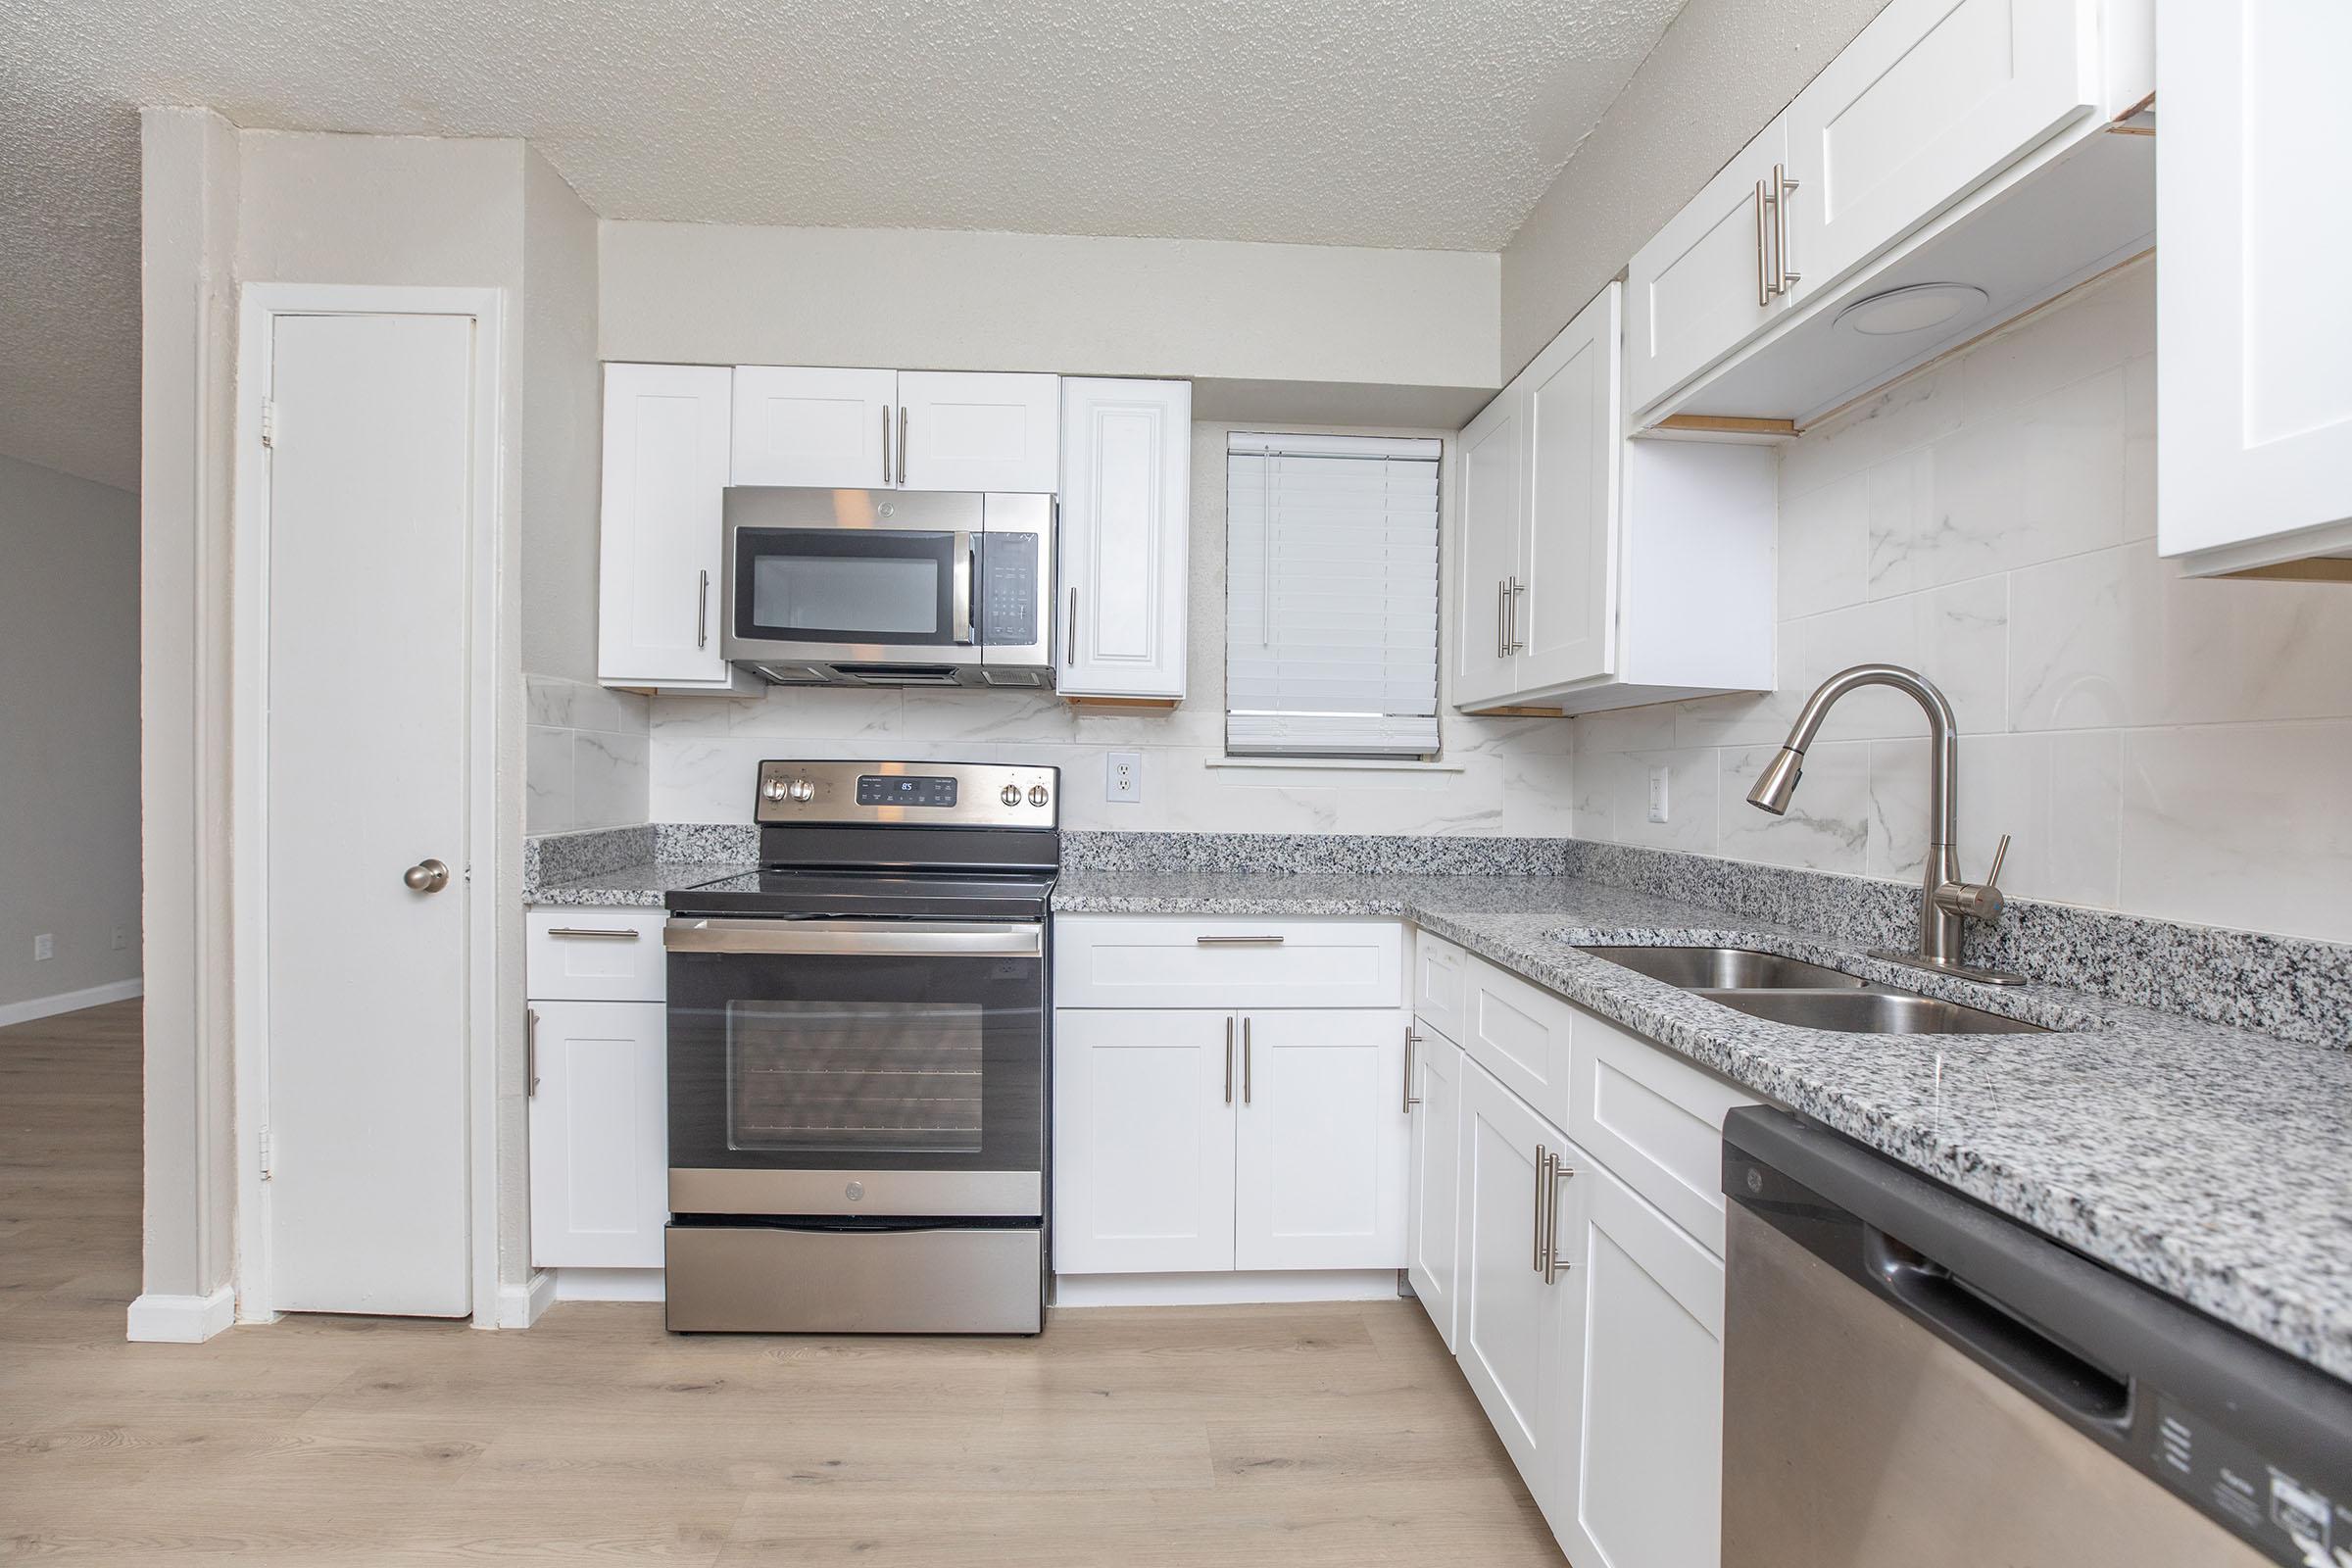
point(600, 933)
point(1239, 942)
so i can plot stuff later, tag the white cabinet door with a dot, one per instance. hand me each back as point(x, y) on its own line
point(1493, 479)
point(666, 434)
point(1126, 512)
point(973, 430)
point(1322, 1141)
point(2253, 393)
point(1932, 98)
point(1567, 617)
point(1520, 1033)
point(1506, 1318)
point(814, 425)
point(1433, 1194)
point(599, 1134)
point(1695, 292)
point(1638, 1474)
point(1440, 978)
point(1142, 1140)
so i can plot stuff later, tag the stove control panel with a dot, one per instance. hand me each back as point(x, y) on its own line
point(910, 794)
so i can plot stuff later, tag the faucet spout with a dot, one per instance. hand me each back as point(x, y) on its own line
point(1946, 902)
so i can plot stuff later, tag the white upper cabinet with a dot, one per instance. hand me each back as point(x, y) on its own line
point(1126, 503)
point(972, 430)
point(2253, 389)
point(1320, 1177)
point(1705, 284)
point(1564, 614)
point(666, 434)
point(1932, 99)
point(1494, 479)
point(832, 429)
point(1591, 572)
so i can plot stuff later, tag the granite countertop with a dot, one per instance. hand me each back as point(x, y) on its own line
point(640, 886)
point(2210, 1163)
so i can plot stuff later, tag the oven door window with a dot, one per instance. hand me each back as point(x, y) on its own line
point(821, 1061)
point(852, 585)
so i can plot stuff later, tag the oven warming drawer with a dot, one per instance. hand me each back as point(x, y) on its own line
point(731, 1278)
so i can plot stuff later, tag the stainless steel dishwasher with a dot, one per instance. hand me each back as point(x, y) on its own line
point(1912, 1379)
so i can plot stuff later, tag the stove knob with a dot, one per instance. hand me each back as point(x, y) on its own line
point(773, 788)
point(1011, 795)
point(802, 791)
point(1037, 795)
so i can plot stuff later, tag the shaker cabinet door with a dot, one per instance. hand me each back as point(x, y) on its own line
point(1142, 1140)
point(976, 430)
point(814, 425)
point(1567, 613)
point(1126, 504)
point(599, 1134)
point(1434, 1186)
point(667, 434)
point(1697, 290)
point(1492, 470)
point(1322, 1136)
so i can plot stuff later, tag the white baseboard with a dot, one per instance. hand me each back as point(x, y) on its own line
point(181, 1319)
point(610, 1283)
point(1221, 1290)
point(520, 1305)
point(70, 1001)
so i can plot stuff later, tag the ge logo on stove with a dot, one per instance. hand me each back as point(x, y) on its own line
point(854, 1192)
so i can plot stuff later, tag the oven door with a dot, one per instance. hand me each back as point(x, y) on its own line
point(874, 1068)
point(851, 576)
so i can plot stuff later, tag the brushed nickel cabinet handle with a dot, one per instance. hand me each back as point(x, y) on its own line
point(1070, 651)
point(702, 615)
point(1553, 1266)
point(1245, 1061)
point(1516, 589)
point(1503, 618)
point(901, 443)
point(1229, 1058)
point(530, 1050)
point(1543, 1186)
point(1412, 1038)
point(598, 933)
point(1763, 267)
point(1783, 187)
point(1238, 942)
point(886, 443)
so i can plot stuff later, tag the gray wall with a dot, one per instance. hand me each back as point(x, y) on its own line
point(1721, 72)
point(69, 732)
point(561, 425)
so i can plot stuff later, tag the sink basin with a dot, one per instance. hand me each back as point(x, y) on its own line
point(1725, 969)
point(1881, 1012)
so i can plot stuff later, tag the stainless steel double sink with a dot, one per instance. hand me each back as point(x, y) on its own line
point(1790, 991)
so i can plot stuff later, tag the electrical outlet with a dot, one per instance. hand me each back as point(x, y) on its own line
point(121, 937)
point(1123, 775)
point(1657, 795)
point(44, 947)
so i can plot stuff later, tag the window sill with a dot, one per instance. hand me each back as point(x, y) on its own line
point(1337, 765)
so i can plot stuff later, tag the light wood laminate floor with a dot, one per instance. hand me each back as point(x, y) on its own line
point(1284, 1435)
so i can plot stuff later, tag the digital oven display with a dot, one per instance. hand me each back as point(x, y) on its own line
point(896, 788)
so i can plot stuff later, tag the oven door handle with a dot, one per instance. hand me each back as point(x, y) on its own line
point(859, 939)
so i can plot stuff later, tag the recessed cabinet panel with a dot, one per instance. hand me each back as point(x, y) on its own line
point(1506, 1336)
point(1567, 614)
point(817, 427)
point(1932, 99)
point(1656, 1121)
point(1494, 479)
point(1440, 972)
point(1143, 1143)
point(1148, 961)
point(969, 430)
point(1697, 290)
point(599, 1134)
point(1520, 1033)
point(1323, 1137)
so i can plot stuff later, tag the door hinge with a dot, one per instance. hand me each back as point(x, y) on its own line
point(269, 421)
point(265, 1153)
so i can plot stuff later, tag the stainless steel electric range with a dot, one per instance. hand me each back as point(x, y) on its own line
point(859, 1057)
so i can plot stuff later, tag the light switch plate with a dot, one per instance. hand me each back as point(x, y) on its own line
point(1123, 775)
point(1657, 795)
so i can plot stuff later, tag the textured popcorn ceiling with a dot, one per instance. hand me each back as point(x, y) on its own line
point(1426, 125)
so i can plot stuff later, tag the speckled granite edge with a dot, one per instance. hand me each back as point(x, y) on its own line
point(632, 887)
point(1310, 853)
point(549, 857)
point(705, 843)
point(2292, 987)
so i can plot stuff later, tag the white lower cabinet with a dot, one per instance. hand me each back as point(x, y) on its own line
point(1636, 1475)
point(1323, 1133)
point(1506, 1318)
point(599, 1134)
point(1433, 1190)
point(1142, 1140)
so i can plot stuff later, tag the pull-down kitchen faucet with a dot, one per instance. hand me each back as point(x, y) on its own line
point(1945, 903)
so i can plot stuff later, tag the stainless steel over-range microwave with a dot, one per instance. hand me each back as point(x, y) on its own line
point(889, 587)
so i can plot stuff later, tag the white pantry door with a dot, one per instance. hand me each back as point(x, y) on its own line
point(369, 498)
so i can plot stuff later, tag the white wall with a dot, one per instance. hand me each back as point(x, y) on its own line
point(1220, 311)
point(1719, 74)
point(2157, 744)
point(586, 756)
point(69, 734)
point(1514, 775)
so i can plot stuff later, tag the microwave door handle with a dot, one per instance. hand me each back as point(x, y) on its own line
point(965, 634)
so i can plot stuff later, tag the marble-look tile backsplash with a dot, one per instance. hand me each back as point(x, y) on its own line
point(2155, 744)
point(585, 756)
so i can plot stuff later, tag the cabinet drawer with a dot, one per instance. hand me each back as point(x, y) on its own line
point(1439, 972)
point(1655, 1120)
point(595, 955)
point(1227, 964)
point(1520, 1033)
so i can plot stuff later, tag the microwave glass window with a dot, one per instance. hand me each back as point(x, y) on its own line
point(853, 1075)
point(847, 593)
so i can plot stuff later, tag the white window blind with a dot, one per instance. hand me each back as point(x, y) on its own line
point(1331, 596)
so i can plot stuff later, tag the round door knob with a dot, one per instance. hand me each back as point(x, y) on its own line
point(802, 790)
point(1011, 795)
point(427, 876)
point(1037, 795)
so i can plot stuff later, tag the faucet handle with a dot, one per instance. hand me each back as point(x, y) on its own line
point(1978, 901)
point(2000, 853)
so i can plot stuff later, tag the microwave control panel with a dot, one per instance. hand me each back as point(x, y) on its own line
point(1009, 564)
